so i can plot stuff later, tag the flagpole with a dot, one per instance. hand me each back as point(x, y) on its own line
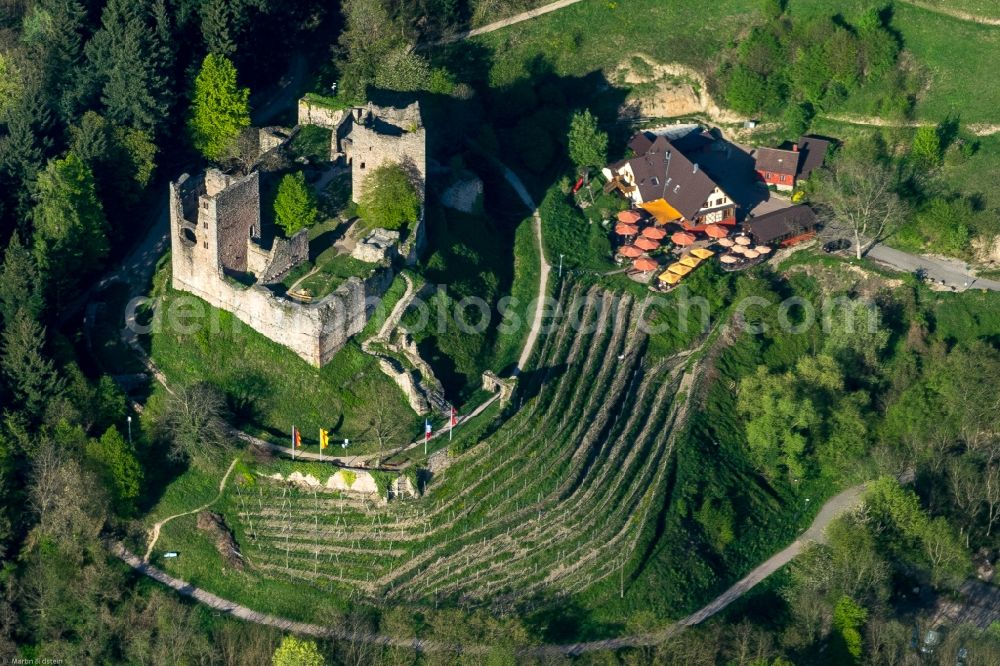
point(293, 442)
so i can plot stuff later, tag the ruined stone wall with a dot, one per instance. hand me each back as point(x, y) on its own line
point(237, 210)
point(315, 114)
point(314, 331)
point(350, 307)
point(371, 149)
point(285, 255)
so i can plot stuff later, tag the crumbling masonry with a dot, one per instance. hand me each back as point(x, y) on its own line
point(217, 247)
point(215, 239)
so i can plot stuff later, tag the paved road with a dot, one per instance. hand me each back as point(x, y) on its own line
point(503, 23)
point(952, 272)
point(833, 508)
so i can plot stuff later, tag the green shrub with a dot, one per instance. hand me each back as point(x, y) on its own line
point(389, 199)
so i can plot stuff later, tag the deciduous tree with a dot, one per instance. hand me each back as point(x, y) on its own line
point(116, 462)
point(389, 199)
point(297, 652)
point(192, 420)
point(295, 204)
point(926, 150)
point(861, 200)
point(588, 145)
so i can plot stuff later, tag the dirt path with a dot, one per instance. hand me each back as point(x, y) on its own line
point(833, 508)
point(154, 532)
point(953, 13)
point(315, 269)
point(979, 129)
point(543, 278)
point(503, 23)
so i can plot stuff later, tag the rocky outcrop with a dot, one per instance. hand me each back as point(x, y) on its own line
point(400, 360)
point(222, 537)
point(377, 247)
point(464, 195)
point(348, 481)
point(987, 250)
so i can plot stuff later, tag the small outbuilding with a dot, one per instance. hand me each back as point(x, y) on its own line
point(784, 227)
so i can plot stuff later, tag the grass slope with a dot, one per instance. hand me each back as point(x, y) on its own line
point(596, 34)
point(273, 387)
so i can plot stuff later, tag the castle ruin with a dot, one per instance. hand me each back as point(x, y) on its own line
point(370, 136)
point(221, 254)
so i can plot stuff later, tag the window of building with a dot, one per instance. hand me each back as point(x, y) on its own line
point(362, 165)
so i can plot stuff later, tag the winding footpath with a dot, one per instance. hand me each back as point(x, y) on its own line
point(833, 508)
point(979, 129)
point(154, 532)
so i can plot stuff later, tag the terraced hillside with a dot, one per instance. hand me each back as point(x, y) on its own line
point(553, 502)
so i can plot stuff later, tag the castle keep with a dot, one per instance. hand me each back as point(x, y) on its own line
point(221, 254)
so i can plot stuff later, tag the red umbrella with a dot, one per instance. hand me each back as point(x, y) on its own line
point(654, 232)
point(630, 251)
point(629, 216)
point(715, 231)
point(623, 229)
point(645, 264)
point(646, 244)
point(682, 238)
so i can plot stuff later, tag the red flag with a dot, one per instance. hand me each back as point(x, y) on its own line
point(298, 438)
point(454, 417)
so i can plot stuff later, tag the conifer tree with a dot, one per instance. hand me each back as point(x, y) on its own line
point(295, 205)
point(220, 108)
point(70, 228)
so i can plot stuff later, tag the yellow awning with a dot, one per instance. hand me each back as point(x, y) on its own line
point(679, 268)
point(702, 253)
point(661, 210)
point(670, 278)
point(690, 261)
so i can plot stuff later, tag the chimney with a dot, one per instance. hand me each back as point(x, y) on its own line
point(795, 148)
point(695, 170)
